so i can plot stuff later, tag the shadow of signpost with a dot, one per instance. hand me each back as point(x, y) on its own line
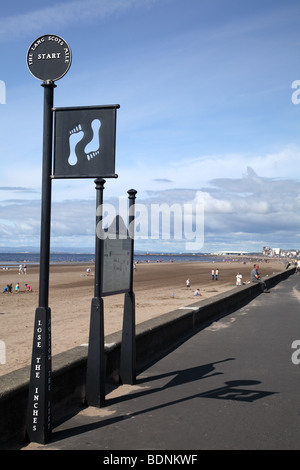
point(231, 391)
point(236, 390)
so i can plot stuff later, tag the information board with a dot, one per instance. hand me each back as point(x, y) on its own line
point(117, 260)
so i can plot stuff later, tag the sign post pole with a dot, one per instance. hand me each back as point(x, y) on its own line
point(128, 347)
point(39, 402)
point(48, 59)
point(96, 372)
point(46, 195)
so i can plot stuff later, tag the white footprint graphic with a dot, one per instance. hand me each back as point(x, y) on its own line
point(76, 135)
point(93, 147)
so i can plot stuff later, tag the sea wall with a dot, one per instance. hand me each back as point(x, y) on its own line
point(154, 338)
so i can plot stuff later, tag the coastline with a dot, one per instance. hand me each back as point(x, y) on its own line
point(159, 287)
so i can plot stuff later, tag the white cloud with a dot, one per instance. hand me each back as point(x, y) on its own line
point(252, 207)
point(241, 205)
point(63, 14)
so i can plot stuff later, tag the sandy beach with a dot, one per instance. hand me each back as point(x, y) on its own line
point(159, 288)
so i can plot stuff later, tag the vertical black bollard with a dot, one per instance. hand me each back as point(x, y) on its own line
point(39, 420)
point(128, 347)
point(96, 370)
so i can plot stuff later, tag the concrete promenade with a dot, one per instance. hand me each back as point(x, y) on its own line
point(233, 385)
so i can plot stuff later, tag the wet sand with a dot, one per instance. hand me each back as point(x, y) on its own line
point(159, 288)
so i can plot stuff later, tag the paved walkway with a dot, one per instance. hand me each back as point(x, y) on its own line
point(233, 385)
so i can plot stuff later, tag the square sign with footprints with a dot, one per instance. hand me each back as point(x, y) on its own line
point(84, 142)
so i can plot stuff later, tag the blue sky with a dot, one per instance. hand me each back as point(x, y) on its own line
point(206, 116)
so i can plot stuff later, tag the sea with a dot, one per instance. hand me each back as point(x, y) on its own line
point(28, 258)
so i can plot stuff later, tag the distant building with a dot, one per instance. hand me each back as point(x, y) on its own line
point(231, 253)
point(267, 251)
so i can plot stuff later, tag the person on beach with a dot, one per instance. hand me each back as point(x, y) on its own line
point(8, 288)
point(255, 277)
point(238, 279)
point(188, 284)
point(28, 288)
point(197, 292)
point(217, 274)
point(17, 288)
point(212, 274)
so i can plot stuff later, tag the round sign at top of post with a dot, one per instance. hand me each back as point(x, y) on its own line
point(49, 58)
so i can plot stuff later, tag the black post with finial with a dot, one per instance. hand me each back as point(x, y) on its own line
point(128, 345)
point(96, 370)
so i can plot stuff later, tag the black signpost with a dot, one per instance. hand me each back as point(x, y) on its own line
point(84, 147)
point(48, 59)
point(113, 275)
point(39, 403)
